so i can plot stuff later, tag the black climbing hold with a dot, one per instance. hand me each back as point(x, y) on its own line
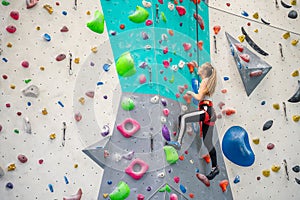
point(265, 22)
point(293, 14)
point(297, 180)
point(296, 168)
point(268, 125)
point(296, 97)
point(285, 5)
point(252, 43)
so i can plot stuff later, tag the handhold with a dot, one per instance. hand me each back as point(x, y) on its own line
point(128, 156)
point(186, 46)
point(171, 154)
point(97, 24)
point(166, 63)
point(165, 50)
point(105, 130)
point(50, 186)
point(187, 98)
point(295, 169)
point(285, 5)
point(206, 157)
point(47, 37)
point(140, 197)
point(244, 13)
point(176, 179)
point(191, 65)
point(146, 4)
point(199, 19)
point(173, 197)
point(228, 111)
point(216, 29)
point(203, 179)
point(1, 172)
point(223, 184)
point(245, 57)
point(297, 180)
point(163, 17)
point(161, 175)
point(286, 35)
point(90, 94)
point(265, 22)
point(236, 147)
point(60, 57)
point(78, 116)
point(11, 167)
point(275, 168)
point(135, 126)
point(9, 185)
point(255, 140)
point(31, 3)
point(200, 45)
point(166, 188)
point(149, 22)
point(163, 102)
point(293, 2)
point(255, 15)
point(143, 167)
point(171, 6)
point(142, 79)
point(14, 14)
point(105, 195)
point(121, 192)
point(127, 104)
point(139, 16)
point(296, 118)
point(181, 10)
point(31, 91)
point(64, 29)
point(166, 112)
point(11, 29)
point(52, 136)
point(22, 158)
point(241, 38)
point(76, 196)
point(48, 8)
point(5, 3)
point(270, 146)
point(106, 154)
point(154, 99)
point(166, 133)
point(44, 111)
point(293, 14)
point(294, 42)
point(145, 36)
point(125, 65)
point(295, 73)
point(267, 125)
point(182, 188)
point(266, 172)
point(296, 97)
point(256, 73)
point(276, 106)
point(236, 179)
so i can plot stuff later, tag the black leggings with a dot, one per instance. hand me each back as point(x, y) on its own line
point(198, 116)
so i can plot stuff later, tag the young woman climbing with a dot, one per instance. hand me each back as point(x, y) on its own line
point(205, 115)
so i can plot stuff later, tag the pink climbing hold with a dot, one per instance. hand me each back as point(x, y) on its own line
point(187, 46)
point(76, 196)
point(90, 94)
point(181, 10)
point(22, 158)
point(140, 197)
point(125, 131)
point(177, 95)
point(25, 64)
point(143, 166)
point(31, 3)
point(181, 89)
point(78, 116)
point(14, 14)
point(166, 50)
point(60, 57)
point(173, 197)
point(161, 1)
point(11, 29)
point(149, 22)
point(142, 78)
point(166, 63)
point(256, 73)
point(203, 179)
point(166, 112)
point(176, 179)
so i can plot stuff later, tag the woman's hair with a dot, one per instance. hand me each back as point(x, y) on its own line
point(211, 74)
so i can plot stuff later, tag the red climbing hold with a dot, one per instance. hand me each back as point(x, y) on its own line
point(64, 29)
point(161, 1)
point(200, 45)
point(11, 29)
point(15, 15)
point(217, 29)
point(60, 57)
point(239, 47)
point(25, 64)
point(203, 179)
point(199, 20)
point(270, 146)
point(181, 10)
point(245, 57)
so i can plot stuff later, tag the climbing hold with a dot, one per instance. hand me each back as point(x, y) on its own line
point(236, 179)
point(11, 29)
point(52, 136)
point(295, 169)
point(199, 19)
point(9, 185)
point(187, 98)
point(78, 116)
point(64, 13)
point(66, 180)
point(173, 197)
point(267, 125)
point(296, 97)
point(286, 35)
point(145, 36)
point(105, 130)
point(128, 156)
point(236, 147)
point(76, 196)
point(140, 197)
point(171, 154)
point(265, 22)
point(121, 192)
point(97, 24)
point(163, 17)
point(31, 3)
point(228, 111)
point(181, 10)
point(154, 99)
point(255, 15)
point(255, 140)
point(149, 188)
point(295, 73)
point(48, 8)
point(139, 16)
point(143, 167)
point(166, 188)
point(275, 168)
point(200, 45)
point(244, 13)
point(206, 157)
point(285, 5)
point(135, 126)
point(216, 29)
point(64, 29)
point(182, 188)
point(90, 94)
point(60, 57)
point(142, 79)
point(106, 154)
point(203, 179)
point(191, 66)
point(245, 57)
point(146, 4)
point(256, 73)
point(125, 65)
point(50, 186)
point(5, 3)
point(297, 180)
point(241, 38)
point(166, 133)
point(105, 195)
point(22, 158)
point(165, 50)
point(296, 118)
point(293, 14)
point(166, 112)
point(186, 46)
point(176, 179)
point(14, 14)
point(171, 6)
point(149, 22)
point(293, 2)
point(270, 146)
point(276, 106)
point(1, 172)
point(47, 37)
point(223, 184)
point(163, 102)
point(31, 91)
point(266, 172)
point(127, 104)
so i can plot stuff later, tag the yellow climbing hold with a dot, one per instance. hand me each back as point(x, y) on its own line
point(44, 111)
point(38, 28)
point(42, 68)
point(105, 195)
point(296, 118)
point(88, 12)
point(76, 60)
point(255, 15)
point(295, 73)
point(9, 45)
point(293, 2)
point(276, 106)
point(275, 168)
point(11, 167)
point(286, 35)
point(266, 172)
point(255, 140)
point(294, 42)
point(12, 86)
point(241, 38)
point(75, 166)
point(256, 30)
point(94, 49)
point(81, 100)
point(48, 8)
point(52, 136)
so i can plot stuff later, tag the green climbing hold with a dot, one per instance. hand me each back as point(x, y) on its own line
point(5, 3)
point(139, 16)
point(97, 24)
point(27, 81)
point(16, 131)
point(164, 189)
point(127, 104)
point(171, 154)
point(163, 17)
point(121, 192)
point(125, 65)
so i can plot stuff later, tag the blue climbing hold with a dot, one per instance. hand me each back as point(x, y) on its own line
point(47, 37)
point(236, 179)
point(66, 180)
point(226, 78)
point(182, 188)
point(64, 13)
point(9, 185)
point(99, 83)
point(236, 146)
point(106, 67)
point(244, 13)
point(195, 85)
point(50, 187)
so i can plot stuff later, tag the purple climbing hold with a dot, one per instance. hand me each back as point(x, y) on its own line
point(164, 102)
point(166, 133)
point(149, 188)
point(9, 185)
point(105, 130)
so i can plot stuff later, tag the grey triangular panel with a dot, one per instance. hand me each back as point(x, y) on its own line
point(255, 64)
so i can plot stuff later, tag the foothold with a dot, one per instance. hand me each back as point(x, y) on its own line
point(64, 29)
point(293, 2)
point(187, 98)
point(267, 125)
point(9, 185)
point(275, 168)
point(105, 130)
point(296, 118)
point(5, 3)
point(276, 106)
point(66, 180)
point(14, 14)
point(50, 186)
point(295, 73)
point(203, 179)
point(236, 147)
point(223, 184)
point(182, 188)
point(171, 154)
point(47, 37)
point(241, 38)
point(270, 146)
point(163, 17)
point(64, 13)
point(186, 46)
point(76, 196)
point(166, 112)
point(61, 104)
point(31, 3)
point(139, 16)
point(236, 179)
point(191, 195)
point(128, 156)
point(166, 133)
point(256, 73)
point(296, 97)
point(244, 13)
point(149, 188)
point(140, 197)
point(200, 21)
point(266, 172)
point(216, 29)
point(31, 91)
point(22, 158)
point(90, 94)
point(173, 197)
point(11, 167)
point(60, 57)
point(76, 60)
point(228, 111)
point(181, 10)
point(294, 42)
point(161, 175)
point(41, 161)
point(166, 188)
point(146, 4)
point(142, 79)
point(255, 15)
point(125, 65)
point(293, 14)
point(206, 157)
point(149, 22)
point(286, 35)
point(135, 126)
point(176, 179)
point(296, 168)
point(44, 111)
point(11, 29)
point(265, 22)
point(121, 192)
point(171, 6)
point(97, 24)
point(226, 78)
point(245, 57)
point(105, 195)
point(154, 99)
point(52, 136)
point(255, 140)
point(297, 180)
point(48, 8)
point(200, 45)
point(78, 116)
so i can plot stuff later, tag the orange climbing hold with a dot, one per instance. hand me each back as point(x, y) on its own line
point(191, 195)
point(187, 98)
point(200, 45)
point(206, 158)
point(196, 1)
point(181, 157)
point(223, 184)
point(191, 66)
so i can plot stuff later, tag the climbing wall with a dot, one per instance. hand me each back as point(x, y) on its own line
point(86, 95)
